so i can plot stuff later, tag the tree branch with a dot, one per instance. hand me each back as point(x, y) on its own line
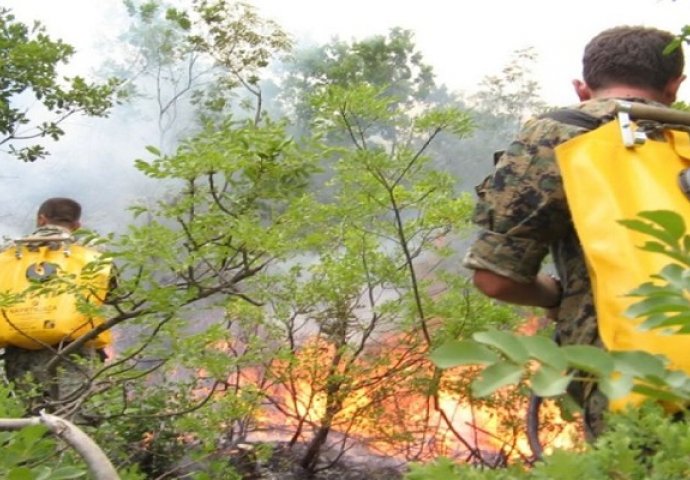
point(97, 462)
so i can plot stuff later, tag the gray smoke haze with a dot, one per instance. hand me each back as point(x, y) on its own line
point(93, 163)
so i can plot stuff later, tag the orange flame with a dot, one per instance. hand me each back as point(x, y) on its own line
point(385, 400)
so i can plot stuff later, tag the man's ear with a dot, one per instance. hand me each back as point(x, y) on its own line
point(41, 220)
point(582, 90)
point(671, 89)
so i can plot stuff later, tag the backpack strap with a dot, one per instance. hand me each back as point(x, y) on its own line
point(578, 118)
point(569, 116)
point(33, 243)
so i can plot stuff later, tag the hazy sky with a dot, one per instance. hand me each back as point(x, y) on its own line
point(466, 40)
point(463, 40)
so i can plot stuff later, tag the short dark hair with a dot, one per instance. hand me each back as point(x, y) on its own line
point(60, 210)
point(632, 55)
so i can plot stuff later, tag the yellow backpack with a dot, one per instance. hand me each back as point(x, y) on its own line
point(56, 294)
point(613, 173)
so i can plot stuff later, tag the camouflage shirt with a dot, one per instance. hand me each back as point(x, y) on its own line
point(523, 215)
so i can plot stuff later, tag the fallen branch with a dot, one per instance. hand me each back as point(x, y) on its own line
point(97, 462)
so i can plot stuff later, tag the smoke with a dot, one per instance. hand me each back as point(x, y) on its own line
point(93, 163)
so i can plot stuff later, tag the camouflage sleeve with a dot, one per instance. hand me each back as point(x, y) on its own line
point(521, 208)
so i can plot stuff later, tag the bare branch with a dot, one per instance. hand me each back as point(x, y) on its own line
point(96, 460)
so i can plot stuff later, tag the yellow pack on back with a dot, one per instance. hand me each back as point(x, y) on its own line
point(54, 285)
point(604, 182)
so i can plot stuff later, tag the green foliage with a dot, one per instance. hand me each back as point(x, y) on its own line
point(230, 214)
point(368, 280)
point(667, 228)
point(509, 359)
point(681, 105)
point(644, 443)
point(29, 67)
point(639, 444)
point(242, 280)
point(390, 63)
point(195, 58)
point(514, 93)
point(31, 453)
point(229, 275)
point(462, 352)
point(679, 40)
point(664, 301)
point(236, 37)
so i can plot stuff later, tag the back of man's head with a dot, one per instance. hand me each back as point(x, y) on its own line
point(60, 211)
point(633, 56)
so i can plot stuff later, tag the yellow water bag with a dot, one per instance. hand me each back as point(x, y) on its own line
point(604, 182)
point(56, 295)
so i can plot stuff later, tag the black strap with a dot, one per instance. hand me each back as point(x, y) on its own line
point(569, 116)
point(578, 118)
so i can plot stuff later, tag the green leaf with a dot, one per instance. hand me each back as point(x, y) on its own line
point(657, 247)
point(440, 469)
point(588, 358)
point(153, 150)
point(616, 387)
point(507, 343)
point(638, 363)
point(462, 352)
point(33, 433)
point(673, 274)
point(649, 289)
point(652, 231)
point(42, 473)
point(653, 305)
point(545, 350)
point(549, 382)
point(67, 473)
point(677, 379)
point(669, 220)
point(685, 329)
point(496, 376)
point(659, 394)
point(20, 473)
point(570, 409)
point(653, 321)
point(672, 46)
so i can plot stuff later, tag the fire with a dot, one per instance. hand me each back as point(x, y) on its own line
point(396, 406)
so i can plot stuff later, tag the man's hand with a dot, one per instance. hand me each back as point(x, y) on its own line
point(544, 291)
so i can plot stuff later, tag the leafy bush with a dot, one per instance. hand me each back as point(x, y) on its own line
point(643, 443)
point(32, 452)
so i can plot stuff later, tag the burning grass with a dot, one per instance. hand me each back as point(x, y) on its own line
point(391, 402)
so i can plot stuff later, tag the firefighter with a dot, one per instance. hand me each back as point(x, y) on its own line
point(522, 212)
point(29, 328)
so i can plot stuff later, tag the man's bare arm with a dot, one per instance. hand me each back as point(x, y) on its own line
point(545, 291)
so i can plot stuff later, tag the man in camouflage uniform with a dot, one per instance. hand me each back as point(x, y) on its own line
point(522, 211)
point(58, 388)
